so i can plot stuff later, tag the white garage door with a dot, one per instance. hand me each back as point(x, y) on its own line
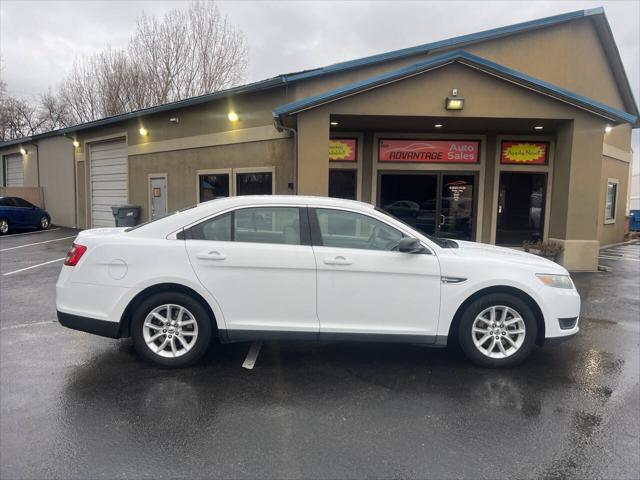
point(15, 170)
point(109, 181)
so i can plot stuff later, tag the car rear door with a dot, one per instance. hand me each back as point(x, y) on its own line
point(257, 262)
point(366, 286)
point(29, 213)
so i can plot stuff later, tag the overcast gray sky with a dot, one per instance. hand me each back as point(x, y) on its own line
point(40, 39)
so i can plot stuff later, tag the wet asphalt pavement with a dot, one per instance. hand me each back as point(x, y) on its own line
point(74, 405)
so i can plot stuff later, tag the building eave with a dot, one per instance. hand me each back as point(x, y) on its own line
point(465, 58)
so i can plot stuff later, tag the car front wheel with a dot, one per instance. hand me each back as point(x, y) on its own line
point(171, 330)
point(497, 330)
point(44, 223)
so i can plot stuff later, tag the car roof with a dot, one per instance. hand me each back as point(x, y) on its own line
point(172, 222)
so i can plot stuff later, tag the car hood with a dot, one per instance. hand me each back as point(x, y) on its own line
point(493, 252)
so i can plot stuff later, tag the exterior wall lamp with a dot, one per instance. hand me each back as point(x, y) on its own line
point(454, 102)
point(232, 116)
point(23, 151)
point(76, 143)
point(143, 131)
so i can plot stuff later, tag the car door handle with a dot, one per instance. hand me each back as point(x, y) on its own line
point(212, 255)
point(339, 260)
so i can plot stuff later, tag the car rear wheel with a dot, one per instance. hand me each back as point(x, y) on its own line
point(44, 223)
point(4, 226)
point(171, 330)
point(497, 330)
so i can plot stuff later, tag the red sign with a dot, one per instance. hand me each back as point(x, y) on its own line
point(524, 153)
point(429, 151)
point(342, 149)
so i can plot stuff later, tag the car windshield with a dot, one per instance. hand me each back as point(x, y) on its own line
point(441, 242)
point(160, 218)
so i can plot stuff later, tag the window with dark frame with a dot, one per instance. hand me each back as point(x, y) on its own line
point(213, 185)
point(258, 183)
point(343, 183)
point(611, 200)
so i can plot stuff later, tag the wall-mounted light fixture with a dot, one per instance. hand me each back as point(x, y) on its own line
point(438, 125)
point(608, 128)
point(538, 127)
point(23, 151)
point(232, 116)
point(143, 131)
point(174, 120)
point(76, 143)
point(334, 123)
point(454, 102)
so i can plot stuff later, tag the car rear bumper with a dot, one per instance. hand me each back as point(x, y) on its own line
point(90, 325)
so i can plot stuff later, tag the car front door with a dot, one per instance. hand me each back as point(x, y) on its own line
point(366, 286)
point(28, 212)
point(258, 264)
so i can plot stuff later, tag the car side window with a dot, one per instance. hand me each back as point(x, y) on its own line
point(216, 229)
point(6, 202)
point(276, 225)
point(267, 225)
point(22, 203)
point(342, 229)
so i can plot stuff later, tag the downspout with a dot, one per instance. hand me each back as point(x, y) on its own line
point(295, 155)
point(280, 127)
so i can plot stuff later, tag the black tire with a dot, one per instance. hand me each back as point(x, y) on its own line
point(41, 225)
point(200, 315)
point(4, 225)
point(465, 338)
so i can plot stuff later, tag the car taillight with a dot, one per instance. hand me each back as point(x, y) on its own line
point(74, 255)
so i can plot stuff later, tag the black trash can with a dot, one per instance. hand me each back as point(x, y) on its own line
point(126, 215)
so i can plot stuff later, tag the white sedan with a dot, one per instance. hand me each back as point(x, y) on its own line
point(307, 268)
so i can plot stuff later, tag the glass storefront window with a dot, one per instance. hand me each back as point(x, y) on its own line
point(260, 183)
point(343, 183)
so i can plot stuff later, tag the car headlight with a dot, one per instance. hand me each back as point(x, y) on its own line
point(556, 281)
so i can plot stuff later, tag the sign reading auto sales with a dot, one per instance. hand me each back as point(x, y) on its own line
point(429, 151)
point(342, 149)
point(529, 153)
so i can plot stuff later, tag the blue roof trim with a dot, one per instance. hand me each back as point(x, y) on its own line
point(463, 57)
point(187, 102)
point(451, 42)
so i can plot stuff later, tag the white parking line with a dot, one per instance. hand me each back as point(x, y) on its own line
point(31, 233)
point(37, 243)
point(24, 325)
point(252, 355)
point(33, 266)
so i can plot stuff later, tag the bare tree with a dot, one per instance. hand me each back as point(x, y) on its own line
point(186, 53)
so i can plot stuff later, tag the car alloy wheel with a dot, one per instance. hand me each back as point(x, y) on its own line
point(4, 226)
point(498, 331)
point(170, 331)
point(44, 223)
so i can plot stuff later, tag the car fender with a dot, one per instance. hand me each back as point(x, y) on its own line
point(453, 296)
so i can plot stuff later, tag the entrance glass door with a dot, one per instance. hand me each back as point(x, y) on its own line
point(434, 203)
point(456, 213)
point(521, 200)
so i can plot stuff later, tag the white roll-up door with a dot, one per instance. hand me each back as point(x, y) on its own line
point(109, 181)
point(15, 170)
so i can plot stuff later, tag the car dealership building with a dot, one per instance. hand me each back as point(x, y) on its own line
point(513, 134)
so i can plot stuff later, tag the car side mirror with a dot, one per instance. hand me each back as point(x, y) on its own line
point(411, 245)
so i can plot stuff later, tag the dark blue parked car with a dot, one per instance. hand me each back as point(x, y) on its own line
point(16, 212)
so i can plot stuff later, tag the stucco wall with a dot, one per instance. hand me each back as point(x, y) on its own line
point(181, 167)
point(609, 233)
point(57, 177)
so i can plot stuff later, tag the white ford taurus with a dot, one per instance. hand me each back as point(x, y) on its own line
point(292, 267)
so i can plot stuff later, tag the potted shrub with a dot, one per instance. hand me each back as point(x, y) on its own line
point(547, 249)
